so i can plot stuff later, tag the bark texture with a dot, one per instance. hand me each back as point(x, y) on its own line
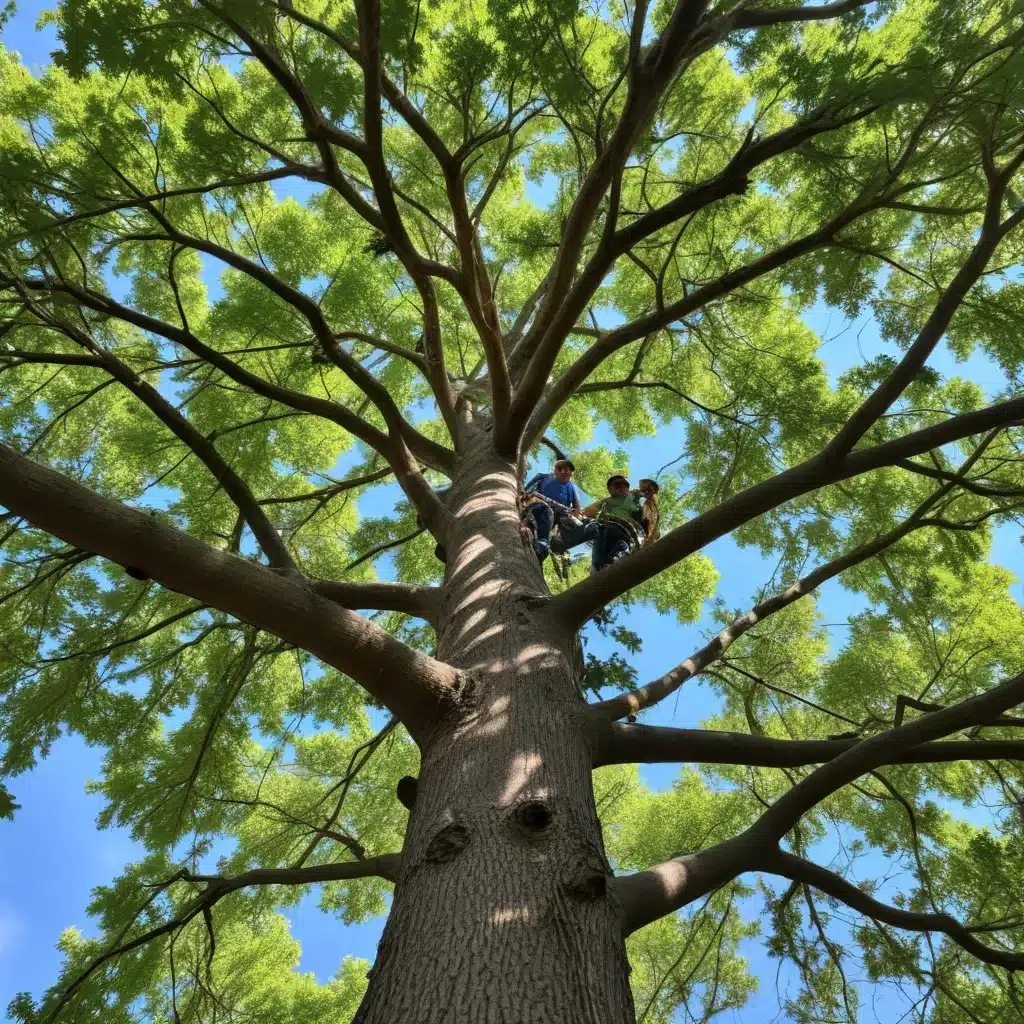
point(502, 911)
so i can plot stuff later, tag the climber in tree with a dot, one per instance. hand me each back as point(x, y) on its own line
point(556, 486)
point(620, 522)
point(648, 491)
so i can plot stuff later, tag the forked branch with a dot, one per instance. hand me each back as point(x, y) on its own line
point(577, 604)
point(631, 703)
point(664, 888)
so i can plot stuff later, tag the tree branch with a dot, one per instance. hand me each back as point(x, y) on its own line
point(385, 866)
point(415, 687)
point(645, 896)
point(271, 174)
point(914, 359)
point(15, 357)
point(619, 743)
point(664, 888)
point(412, 481)
point(401, 431)
point(784, 15)
point(732, 180)
point(984, 490)
point(799, 870)
point(267, 536)
point(329, 492)
point(580, 601)
point(423, 602)
point(657, 690)
point(368, 17)
point(878, 750)
point(610, 342)
point(649, 74)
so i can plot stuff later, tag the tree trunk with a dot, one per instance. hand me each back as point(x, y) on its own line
point(502, 912)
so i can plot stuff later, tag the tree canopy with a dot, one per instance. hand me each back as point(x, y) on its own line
point(264, 261)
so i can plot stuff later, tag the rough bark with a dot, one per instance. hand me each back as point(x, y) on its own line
point(502, 910)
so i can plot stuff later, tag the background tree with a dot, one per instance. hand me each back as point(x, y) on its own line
point(187, 581)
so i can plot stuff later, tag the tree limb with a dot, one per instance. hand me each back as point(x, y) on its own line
point(385, 866)
point(619, 743)
point(368, 17)
point(985, 490)
point(878, 750)
point(415, 687)
point(799, 870)
point(664, 888)
point(267, 536)
point(651, 693)
point(580, 601)
point(783, 15)
point(732, 180)
point(649, 73)
point(328, 492)
point(417, 489)
point(559, 392)
point(271, 174)
point(422, 602)
point(914, 359)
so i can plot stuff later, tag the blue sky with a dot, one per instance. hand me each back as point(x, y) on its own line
point(53, 854)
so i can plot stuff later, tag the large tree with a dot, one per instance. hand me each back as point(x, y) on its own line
point(188, 583)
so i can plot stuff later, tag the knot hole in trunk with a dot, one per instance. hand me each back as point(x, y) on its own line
point(589, 882)
point(533, 818)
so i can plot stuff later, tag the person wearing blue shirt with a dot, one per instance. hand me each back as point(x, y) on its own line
point(556, 486)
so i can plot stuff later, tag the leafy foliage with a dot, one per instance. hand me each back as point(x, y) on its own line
point(172, 227)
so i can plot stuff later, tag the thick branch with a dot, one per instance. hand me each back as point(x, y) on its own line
point(664, 888)
point(579, 602)
point(392, 448)
point(14, 357)
point(415, 687)
point(878, 750)
point(619, 743)
point(784, 15)
point(422, 602)
point(896, 382)
point(612, 341)
point(647, 895)
point(368, 16)
point(648, 76)
point(205, 450)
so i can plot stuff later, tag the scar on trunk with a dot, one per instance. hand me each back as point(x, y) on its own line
point(447, 844)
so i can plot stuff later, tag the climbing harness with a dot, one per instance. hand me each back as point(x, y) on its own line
point(633, 531)
point(563, 516)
